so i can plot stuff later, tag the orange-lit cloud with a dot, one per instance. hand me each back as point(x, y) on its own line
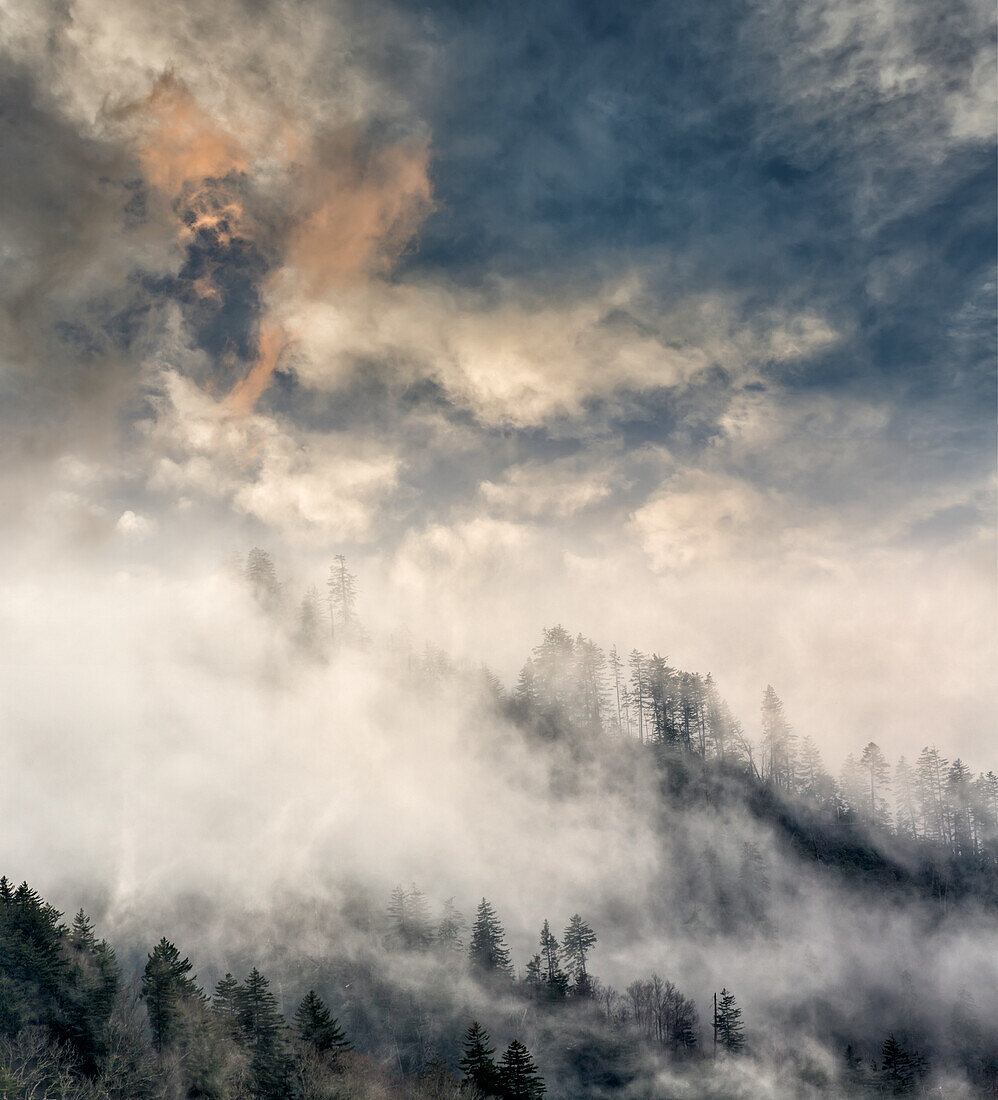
point(354, 207)
point(183, 141)
point(362, 209)
point(245, 394)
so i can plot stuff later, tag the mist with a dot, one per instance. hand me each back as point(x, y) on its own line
point(541, 459)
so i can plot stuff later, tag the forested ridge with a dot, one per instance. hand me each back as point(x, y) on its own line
point(414, 995)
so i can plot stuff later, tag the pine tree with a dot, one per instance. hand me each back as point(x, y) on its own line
point(315, 1026)
point(877, 777)
point(262, 578)
point(451, 927)
point(308, 620)
point(410, 917)
point(553, 977)
point(81, 934)
point(225, 1000)
point(639, 690)
point(906, 819)
point(578, 939)
point(897, 1068)
point(518, 1076)
point(166, 989)
point(728, 1028)
point(777, 742)
point(476, 1063)
point(342, 588)
point(262, 1028)
point(488, 949)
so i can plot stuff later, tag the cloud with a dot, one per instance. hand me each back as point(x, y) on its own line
point(321, 485)
point(521, 360)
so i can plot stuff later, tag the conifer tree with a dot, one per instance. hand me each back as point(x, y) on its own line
point(166, 989)
point(777, 742)
point(897, 1072)
point(488, 949)
point(262, 1028)
point(451, 927)
point(225, 1000)
point(877, 777)
point(410, 917)
point(315, 1026)
point(476, 1062)
point(578, 939)
point(534, 975)
point(554, 978)
point(342, 588)
point(728, 1028)
point(262, 578)
point(81, 934)
point(518, 1076)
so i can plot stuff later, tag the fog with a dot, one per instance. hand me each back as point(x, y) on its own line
point(178, 764)
point(675, 329)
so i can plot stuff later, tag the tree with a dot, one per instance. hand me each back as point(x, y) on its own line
point(410, 917)
point(876, 772)
point(451, 927)
point(518, 1076)
point(225, 999)
point(166, 989)
point(262, 578)
point(476, 1062)
point(342, 588)
point(488, 949)
point(308, 620)
point(906, 818)
point(578, 940)
point(639, 689)
point(728, 1028)
point(552, 976)
point(81, 934)
point(931, 795)
point(315, 1026)
point(777, 741)
point(898, 1068)
point(262, 1028)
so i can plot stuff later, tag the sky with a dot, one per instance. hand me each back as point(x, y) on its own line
point(673, 323)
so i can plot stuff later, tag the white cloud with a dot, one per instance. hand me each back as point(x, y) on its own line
point(301, 484)
point(520, 360)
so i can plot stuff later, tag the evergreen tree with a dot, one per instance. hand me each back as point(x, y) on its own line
point(897, 1073)
point(315, 1026)
point(778, 739)
point(81, 934)
point(225, 1001)
point(262, 578)
point(728, 1027)
point(905, 811)
point(488, 949)
point(578, 940)
point(554, 978)
point(167, 990)
point(342, 588)
point(638, 691)
point(410, 917)
point(476, 1062)
point(534, 973)
point(451, 927)
point(308, 620)
point(261, 1026)
point(518, 1076)
point(931, 795)
point(876, 772)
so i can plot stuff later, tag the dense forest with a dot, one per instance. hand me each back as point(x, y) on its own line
point(414, 995)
